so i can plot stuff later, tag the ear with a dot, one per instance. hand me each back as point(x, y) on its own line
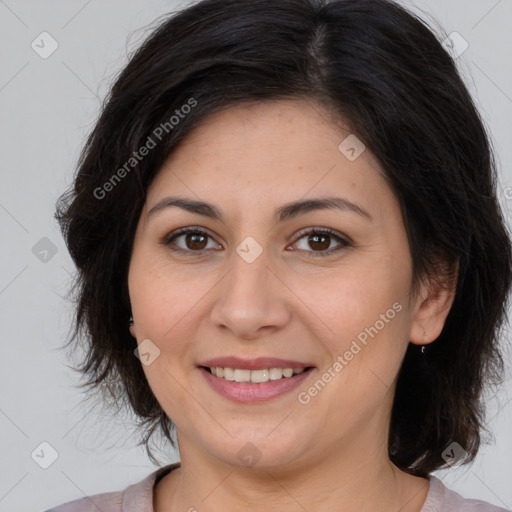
point(132, 331)
point(433, 303)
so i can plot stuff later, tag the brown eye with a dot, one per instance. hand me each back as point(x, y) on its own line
point(191, 240)
point(195, 241)
point(318, 241)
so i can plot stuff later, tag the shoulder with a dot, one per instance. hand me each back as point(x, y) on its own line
point(442, 499)
point(106, 502)
point(137, 497)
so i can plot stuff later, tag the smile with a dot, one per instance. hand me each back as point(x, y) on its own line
point(254, 376)
point(238, 385)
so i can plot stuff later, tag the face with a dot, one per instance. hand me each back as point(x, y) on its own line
point(327, 289)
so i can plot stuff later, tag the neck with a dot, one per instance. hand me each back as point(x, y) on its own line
point(354, 479)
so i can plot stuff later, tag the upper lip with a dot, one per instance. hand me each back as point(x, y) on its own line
point(259, 363)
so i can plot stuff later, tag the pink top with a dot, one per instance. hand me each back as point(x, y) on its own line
point(139, 498)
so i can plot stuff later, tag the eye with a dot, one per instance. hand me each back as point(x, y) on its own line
point(321, 239)
point(194, 240)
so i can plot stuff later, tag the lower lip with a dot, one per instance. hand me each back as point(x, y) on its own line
point(245, 392)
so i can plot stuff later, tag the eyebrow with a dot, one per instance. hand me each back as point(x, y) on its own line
point(285, 212)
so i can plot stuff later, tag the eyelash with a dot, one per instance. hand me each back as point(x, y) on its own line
point(312, 254)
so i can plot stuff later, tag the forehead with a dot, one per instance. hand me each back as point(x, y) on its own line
point(277, 151)
point(287, 124)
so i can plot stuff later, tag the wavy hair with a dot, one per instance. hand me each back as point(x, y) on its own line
point(377, 67)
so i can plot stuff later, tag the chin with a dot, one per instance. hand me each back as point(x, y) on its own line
point(258, 452)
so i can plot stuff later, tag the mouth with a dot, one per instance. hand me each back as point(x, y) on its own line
point(258, 376)
point(253, 381)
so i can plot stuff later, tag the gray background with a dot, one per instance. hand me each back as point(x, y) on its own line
point(47, 108)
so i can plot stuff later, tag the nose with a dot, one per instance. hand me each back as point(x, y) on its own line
point(251, 300)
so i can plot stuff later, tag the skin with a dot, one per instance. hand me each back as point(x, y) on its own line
point(330, 454)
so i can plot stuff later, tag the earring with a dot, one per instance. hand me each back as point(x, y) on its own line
point(423, 346)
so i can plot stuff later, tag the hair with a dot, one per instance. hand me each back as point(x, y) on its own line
point(380, 70)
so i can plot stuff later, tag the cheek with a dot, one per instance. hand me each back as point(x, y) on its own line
point(364, 321)
point(164, 301)
point(362, 317)
point(350, 299)
point(164, 294)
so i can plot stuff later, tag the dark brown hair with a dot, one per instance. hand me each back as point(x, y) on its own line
point(380, 69)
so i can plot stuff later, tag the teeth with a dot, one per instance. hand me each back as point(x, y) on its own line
point(255, 376)
point(276, 373)
point(287, 372)
point(228, 373)
point(242, 375)
point(260, 375)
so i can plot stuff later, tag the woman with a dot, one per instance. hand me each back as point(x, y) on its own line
point(288, 243)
